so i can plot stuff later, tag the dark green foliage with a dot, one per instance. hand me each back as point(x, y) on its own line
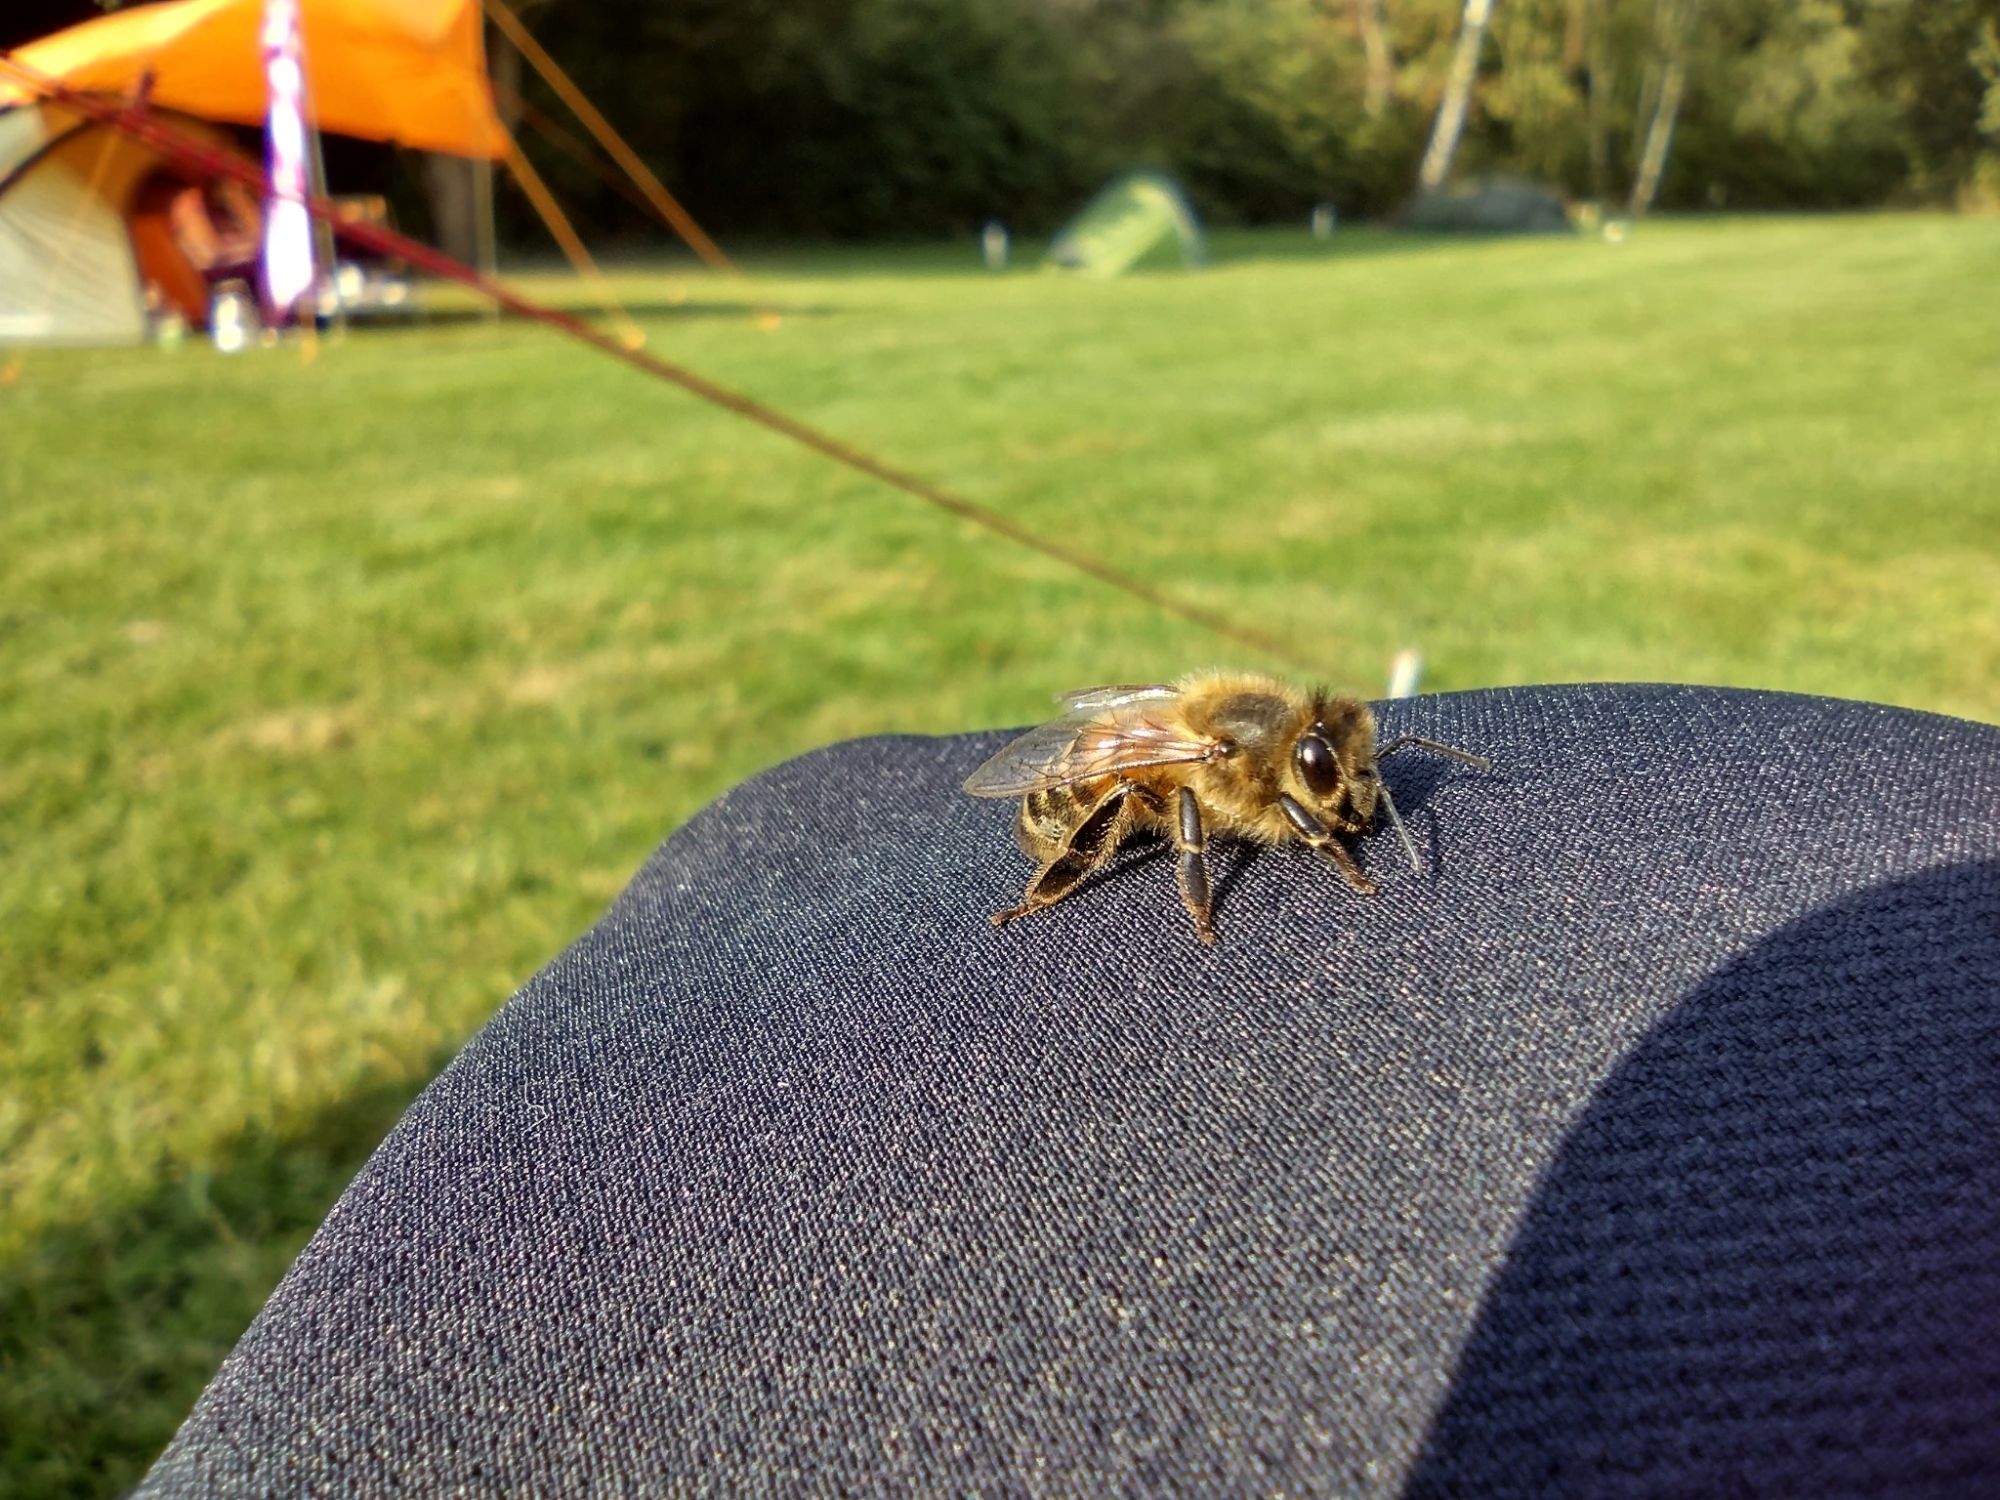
point(1784, 113)
point(1937, 63)
point(930, 115)
point(837, 117)
point(920, 117)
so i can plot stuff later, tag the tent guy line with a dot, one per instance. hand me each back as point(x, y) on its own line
point(641, 176)
point(132, 119)
point(564, 233)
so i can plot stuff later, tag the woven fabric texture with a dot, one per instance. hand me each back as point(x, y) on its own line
point(1646, 1143)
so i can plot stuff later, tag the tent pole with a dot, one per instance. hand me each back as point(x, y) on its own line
point(325, 251)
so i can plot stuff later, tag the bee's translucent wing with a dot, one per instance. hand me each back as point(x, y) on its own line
point(1084, 745)
point(1098, 699)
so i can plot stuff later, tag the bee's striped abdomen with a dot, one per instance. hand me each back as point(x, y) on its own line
point(1046, 818)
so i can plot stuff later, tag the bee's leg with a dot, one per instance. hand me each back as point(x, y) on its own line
point(1089, 846)
point(1316, 835)
point(1192, 869)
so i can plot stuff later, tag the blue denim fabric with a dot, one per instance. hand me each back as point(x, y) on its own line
point(1648, 1142)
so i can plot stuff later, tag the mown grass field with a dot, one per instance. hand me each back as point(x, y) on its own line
point(335, 696)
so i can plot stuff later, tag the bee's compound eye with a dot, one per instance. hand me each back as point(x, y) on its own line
point(1317, 767)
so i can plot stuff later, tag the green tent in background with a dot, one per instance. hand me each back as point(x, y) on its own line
point(1133, 215)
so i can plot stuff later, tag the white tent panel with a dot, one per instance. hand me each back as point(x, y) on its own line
point(67, 274)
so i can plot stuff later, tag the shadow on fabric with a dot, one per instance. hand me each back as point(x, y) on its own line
point(1767, 1258)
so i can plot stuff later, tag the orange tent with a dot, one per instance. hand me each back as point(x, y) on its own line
point(408, 71)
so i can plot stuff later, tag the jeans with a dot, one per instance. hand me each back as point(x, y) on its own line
point(1646, 1142)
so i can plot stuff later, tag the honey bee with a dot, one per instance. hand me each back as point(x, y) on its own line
point(1244, 756)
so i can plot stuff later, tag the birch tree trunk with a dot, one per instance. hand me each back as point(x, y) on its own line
point(1450, 123)
point(1649, 79)
point(1381, 77)
point(1599, 80)
point(1660, 133)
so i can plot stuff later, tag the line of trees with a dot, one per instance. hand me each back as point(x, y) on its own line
point(874, 117)
point(919, 117)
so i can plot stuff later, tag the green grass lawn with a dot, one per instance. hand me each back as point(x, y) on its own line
point(335, 696)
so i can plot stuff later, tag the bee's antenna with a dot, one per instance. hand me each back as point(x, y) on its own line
point(1405, 741)
point(1409, 844)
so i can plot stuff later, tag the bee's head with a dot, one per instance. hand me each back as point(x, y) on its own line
point(1332, 768)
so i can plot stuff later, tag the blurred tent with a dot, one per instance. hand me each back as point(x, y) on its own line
point(1496, 204)
point(1130, 218)
point(84, 227)
point(83, 219)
